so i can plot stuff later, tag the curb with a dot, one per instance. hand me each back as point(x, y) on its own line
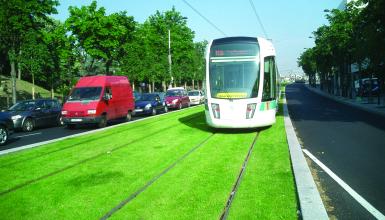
point(340, 100)
point(83, 133)
point(310, 201)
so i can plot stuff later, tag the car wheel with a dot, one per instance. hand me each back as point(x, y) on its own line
point(28, 125)
point(103, 122)
point(129, 116)
point(153, 112)
point(3, 135)
point(60, 121)
point(180, 106)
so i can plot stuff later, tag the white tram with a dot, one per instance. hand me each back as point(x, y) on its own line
point(242, 83)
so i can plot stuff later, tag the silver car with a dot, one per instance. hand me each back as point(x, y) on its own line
point(196, 97)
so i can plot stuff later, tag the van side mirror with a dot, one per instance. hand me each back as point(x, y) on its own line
point(106, 97)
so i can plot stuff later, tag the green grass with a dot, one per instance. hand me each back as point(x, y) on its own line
point(267, 190)
point(85, 177)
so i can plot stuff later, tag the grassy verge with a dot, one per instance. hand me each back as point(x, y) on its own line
point(267, 190)
point(85, 177)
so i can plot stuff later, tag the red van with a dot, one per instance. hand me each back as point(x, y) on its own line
point(98, 99)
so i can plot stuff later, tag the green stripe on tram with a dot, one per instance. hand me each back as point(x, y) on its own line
point(268, 105)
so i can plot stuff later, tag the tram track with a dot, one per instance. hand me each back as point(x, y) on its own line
point(77, 144)
point(233, 192)
point(58, 171)
point(154, 179)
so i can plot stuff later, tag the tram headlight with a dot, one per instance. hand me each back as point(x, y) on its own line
point(216, 110)
point(250, 110)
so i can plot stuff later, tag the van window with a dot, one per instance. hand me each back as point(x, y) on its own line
point(108, 92)
point(85, 93)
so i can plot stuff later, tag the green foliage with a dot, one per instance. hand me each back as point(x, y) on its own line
point(102, 37)
point(354, 35)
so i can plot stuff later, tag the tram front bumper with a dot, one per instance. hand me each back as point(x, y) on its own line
point(260, 119)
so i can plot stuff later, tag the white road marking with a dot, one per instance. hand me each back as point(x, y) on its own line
point(377, 214)
point(28, 135)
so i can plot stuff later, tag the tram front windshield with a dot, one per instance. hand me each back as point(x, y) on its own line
point(234, 77)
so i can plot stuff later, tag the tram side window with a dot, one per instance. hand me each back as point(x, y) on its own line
point(269, 81)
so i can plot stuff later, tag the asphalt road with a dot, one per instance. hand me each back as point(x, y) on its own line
point(19, 138)
point(350, 142)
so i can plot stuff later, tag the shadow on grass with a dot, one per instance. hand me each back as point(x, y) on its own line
point(198, 121)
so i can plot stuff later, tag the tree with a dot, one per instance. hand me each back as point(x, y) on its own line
point(308, 64)
point(17, 18)
point(102, 37)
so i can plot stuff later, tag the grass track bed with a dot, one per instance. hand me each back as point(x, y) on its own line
point(196, 187)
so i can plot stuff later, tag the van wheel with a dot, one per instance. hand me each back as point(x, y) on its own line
point(27, 125)
point(129, 116)
point(103, 122)
point(153, 112)
point(3, 135)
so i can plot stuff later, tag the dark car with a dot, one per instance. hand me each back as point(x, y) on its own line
point(149, 104)
point(29, 114)
point(177, 98)
point(6, 127)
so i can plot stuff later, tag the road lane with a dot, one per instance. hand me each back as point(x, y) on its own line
point(349, 141)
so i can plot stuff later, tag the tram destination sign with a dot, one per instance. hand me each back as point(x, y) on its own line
point(234, 50)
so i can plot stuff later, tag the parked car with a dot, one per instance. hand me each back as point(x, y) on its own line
point(367, 87)
point(149, 104)
point(30, 114)
point(6, 127)
point(98, 99)
point(177, 98)
point(196, 97)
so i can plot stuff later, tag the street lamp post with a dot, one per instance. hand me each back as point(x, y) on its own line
point(169, 58)
point(169, 53)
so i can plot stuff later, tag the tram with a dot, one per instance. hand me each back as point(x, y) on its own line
point(241, 83)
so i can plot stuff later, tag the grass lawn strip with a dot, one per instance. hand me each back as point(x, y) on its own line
point(198, 187)
point(32, 170)
point(29, 154)
point(88, 191)
point(267, 190)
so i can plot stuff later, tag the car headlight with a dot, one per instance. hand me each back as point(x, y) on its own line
point(148, 106)
point(15, 117)
point(64, 112)
point(91, 112)
point(175, 101)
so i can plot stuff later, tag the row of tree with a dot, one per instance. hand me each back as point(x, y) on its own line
point(354, 36)
point(54, 54)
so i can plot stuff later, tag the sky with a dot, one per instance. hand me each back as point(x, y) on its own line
point(288, 23)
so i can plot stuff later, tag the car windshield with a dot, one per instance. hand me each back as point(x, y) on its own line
point(193, 93)
point(173, 93)
point(85, 93)
point(147, 97)
point(23, 106)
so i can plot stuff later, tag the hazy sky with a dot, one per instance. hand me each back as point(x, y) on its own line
point(289, 23)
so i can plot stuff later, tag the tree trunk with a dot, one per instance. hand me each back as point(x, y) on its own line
point(133, 85)
point(19, 71)
point(11, 55)
point(33, 86)
point(193, 84)
point(153, 86)
point(164, 86)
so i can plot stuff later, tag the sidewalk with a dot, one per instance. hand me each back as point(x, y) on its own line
point(362, 104)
